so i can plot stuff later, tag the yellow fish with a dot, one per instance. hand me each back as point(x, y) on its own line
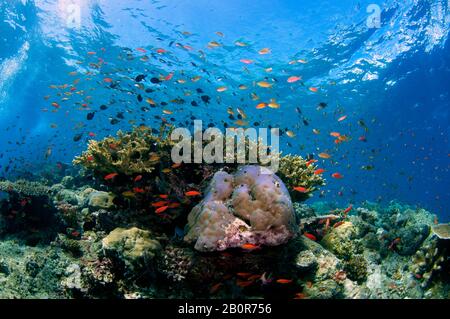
point(264, 84)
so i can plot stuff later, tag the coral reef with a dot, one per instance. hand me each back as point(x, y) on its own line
point(251, 207)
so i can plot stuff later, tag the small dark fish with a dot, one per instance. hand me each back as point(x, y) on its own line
point(205, 98)
point(114, 121)
point(103, 107)
point(139, 98)
point(155, 80)
point(149, 90)
point(90, 116)
point(120, 115)
point(200, 91)
point(140, 78)
point(77, 137)
point(193, 103)
point(305, 122)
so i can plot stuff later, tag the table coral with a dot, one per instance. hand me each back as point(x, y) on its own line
point(139, 151)
point(250, 207)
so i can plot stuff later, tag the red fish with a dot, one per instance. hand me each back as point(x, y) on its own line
point(192, 193)
point(284, 281)
point(107, 80)
point(110, 176)
point(301, 189)
point(337, 175)
point(243, 284)
point(215, 288)
point(160, 203)
point(342, 118)
point(163, 196)
point(138, 190)
point(310, 162)
point(310, 236)
point(91, 134)
point(161, 209)
point(362, 138)
point(348, 209)
point(161, 51)
point(90, 158)
point(250, 247)
point(141, 50)
point(244, 274)
point(169, 77)
point(138, 178)
point(319, 171)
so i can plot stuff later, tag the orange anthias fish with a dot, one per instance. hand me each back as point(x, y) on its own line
point(215, 288)
point(284, 281)
point(138, 178)
point(348, 209)
point(246, 61)
point(138, 190)
point(110, 176)
point(310, 162)
point(161, 209)
point(243, 284)
point(250, 247)
point(192, 193)
point(324, 155)
point(337, 175)
point(313, 89)
point(261, 106)
point(335, 134)
point(319, 171)
point(294, 79)
point(160, 203)
point(301, 189)
point(244, 274)
point(310, 236)
point(163, 196)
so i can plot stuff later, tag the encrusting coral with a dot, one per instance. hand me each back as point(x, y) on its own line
point(251, 207)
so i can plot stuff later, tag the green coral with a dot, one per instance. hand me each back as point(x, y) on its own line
point(295, 171)
point(136, 152)
point(356, 268)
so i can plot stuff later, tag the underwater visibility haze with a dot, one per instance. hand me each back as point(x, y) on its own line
point(92, 204)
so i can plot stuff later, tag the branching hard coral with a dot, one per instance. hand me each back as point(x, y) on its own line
point(295, 171)
point(428, 261)
point(24, 187)
point(136, 152)
point(175, 263)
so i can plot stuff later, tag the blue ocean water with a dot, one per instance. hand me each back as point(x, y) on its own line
point(391, 81)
